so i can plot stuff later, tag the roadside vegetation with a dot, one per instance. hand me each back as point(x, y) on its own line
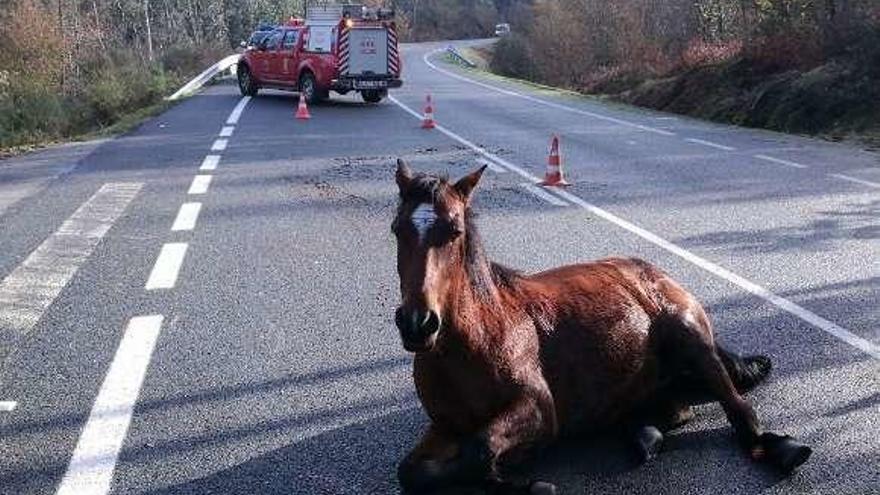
point(69, 69)
point(799, 66)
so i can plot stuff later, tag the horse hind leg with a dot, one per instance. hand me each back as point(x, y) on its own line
point(687, 338)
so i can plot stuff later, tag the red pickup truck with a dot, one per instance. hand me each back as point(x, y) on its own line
point(344, 48)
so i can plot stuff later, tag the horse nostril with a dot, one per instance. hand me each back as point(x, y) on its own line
point(431, 323)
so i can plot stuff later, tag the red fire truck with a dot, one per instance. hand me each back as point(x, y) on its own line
point(340, 48)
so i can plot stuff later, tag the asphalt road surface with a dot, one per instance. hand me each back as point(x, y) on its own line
point(173, 323)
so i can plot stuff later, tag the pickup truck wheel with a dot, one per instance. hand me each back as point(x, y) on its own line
point(308, 88)
point(372, 95)
point(245, 82)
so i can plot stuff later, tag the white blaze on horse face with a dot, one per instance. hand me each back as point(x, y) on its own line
point(423, 217)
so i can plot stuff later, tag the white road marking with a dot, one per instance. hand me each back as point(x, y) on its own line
point(545, 102)
point(210, 162)
point(200, 184)
point(227, 131)
point(94, 459)
point(219, 145)
point(28, 291)
point(492, 166)
point(423, 218)
point(187, 216)
point(542, 194)
point(710, 144)
point(8, 405)
point(780, 161)
point(804, 314)
point(167, 266)
point(855, 180)
point(237, 111)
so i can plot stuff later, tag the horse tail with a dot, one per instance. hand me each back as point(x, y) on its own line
point(745, 371)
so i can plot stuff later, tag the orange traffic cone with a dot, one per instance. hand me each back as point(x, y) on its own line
point(553, 176)
point(428, 120)
point(302, 111)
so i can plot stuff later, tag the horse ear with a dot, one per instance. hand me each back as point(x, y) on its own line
point(403, 176)
point(465, 186)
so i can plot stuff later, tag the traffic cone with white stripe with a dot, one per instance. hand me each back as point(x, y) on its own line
point(302, 110)
point(428, 120)
point(553, 176)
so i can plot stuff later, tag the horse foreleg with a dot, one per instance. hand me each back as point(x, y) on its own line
point(440, 461)
point(527, 423)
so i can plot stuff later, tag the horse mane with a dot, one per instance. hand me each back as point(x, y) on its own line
point(483, 273)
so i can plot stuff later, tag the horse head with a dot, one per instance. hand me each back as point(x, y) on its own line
point(430, 227)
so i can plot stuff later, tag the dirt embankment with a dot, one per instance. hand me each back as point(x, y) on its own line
point(837, 99)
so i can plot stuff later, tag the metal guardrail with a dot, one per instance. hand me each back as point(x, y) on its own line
point(208, 74)
point(458, 57)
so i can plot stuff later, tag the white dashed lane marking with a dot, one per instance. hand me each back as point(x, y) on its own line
point(167, 266)
point(710, 144)
point(237, 111)
point(94, 459)
point(28, 291)
point(780, 161)
point(227, 131)
point(8, 406)
point(187, 217)
point(200, 184)
point(855, 180)
point(219, 145)
point(210, 162)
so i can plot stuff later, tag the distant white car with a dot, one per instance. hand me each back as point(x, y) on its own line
point(502, 29)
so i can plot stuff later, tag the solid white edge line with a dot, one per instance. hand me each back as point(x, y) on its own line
point(200, 184)
point(544, 102)
point(542, 194)
point(94, 458)
point(855, 180)
point(237, 111)
point(167, 266)
point(710, 144)
point(210, 162)
point(8, 405)
point(219, 145)
point(186, 217)
point(780, 161)
point(498, 169)
point(804, 314)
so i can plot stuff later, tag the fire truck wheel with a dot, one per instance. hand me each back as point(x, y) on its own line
point(308, 87)
point(372, 96)
point(246, 82)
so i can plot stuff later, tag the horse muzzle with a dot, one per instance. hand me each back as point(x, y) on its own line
point(418, 329)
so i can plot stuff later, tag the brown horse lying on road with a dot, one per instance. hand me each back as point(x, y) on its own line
point(505, 362)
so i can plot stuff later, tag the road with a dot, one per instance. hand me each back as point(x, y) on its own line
point(178, 324)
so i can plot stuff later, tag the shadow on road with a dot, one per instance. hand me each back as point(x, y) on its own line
point(362, 458)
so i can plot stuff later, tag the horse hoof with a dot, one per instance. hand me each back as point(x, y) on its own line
point(542, 488)
point(649, 441)
point(784, 452)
